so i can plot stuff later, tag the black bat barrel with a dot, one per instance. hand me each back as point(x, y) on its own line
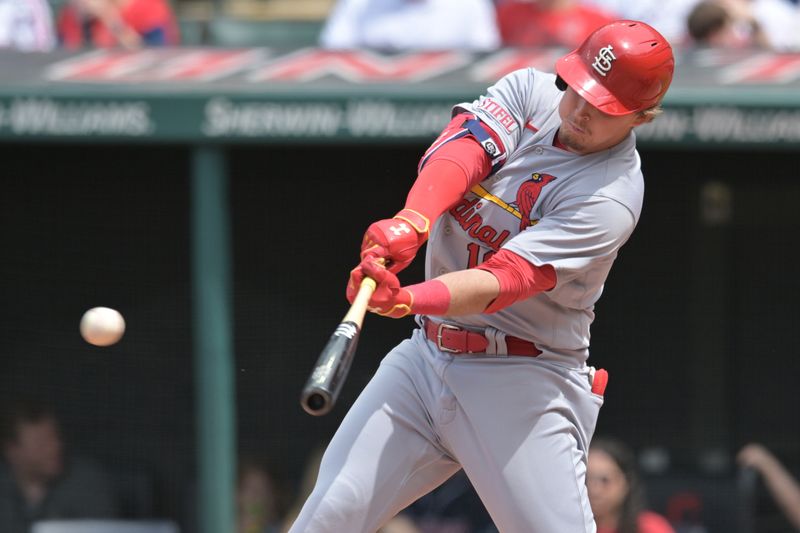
point(325, 382)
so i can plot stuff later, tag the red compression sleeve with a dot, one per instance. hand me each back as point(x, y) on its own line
point(431, 297)
point(450, 172)
point(518, 278)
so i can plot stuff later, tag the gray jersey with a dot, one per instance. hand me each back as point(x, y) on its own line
point(547, 205)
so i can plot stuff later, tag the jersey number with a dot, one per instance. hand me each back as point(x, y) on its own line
point(474, 251)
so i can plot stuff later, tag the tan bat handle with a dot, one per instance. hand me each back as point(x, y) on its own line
point(359, 307)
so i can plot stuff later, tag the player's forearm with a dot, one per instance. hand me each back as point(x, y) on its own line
point(441, 183)
point(471, 291)
point(503, 280)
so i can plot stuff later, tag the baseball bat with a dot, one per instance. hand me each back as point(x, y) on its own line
point(323, 385)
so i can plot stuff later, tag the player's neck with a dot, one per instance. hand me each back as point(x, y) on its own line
point(558, 144)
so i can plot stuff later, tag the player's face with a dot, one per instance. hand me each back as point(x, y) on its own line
point(606, 483)
point(585, 129)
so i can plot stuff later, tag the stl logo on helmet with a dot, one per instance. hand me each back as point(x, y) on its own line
point(603, 60)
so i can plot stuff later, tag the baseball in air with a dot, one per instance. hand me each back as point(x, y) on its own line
point(102, 326)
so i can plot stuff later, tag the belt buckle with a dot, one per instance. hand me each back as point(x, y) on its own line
point(439, 328)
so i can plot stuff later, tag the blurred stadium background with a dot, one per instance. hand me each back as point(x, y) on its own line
point(120, 169)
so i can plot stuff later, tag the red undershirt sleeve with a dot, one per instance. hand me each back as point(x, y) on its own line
point(430, 297)
point(519, 278)
point(450, 171)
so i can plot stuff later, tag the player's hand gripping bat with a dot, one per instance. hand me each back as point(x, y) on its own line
point(323, 385)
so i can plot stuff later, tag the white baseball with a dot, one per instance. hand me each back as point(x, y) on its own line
point(102, 326)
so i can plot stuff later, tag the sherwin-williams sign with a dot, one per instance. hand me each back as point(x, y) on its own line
point(191, 94)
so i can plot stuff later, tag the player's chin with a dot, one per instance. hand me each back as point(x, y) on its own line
point(573, 143)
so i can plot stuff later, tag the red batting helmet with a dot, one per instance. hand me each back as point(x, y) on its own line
point(624, 67)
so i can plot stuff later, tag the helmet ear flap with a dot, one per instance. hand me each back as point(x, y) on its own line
point(561, 84)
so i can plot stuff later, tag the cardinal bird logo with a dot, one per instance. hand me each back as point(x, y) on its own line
point(527, 194)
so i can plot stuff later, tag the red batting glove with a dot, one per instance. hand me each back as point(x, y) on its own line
point(389, 298)
point(396, 240)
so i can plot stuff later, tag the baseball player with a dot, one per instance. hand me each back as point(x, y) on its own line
point(525, 200)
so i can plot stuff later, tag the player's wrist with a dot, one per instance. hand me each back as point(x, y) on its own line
point(400, 308)
point(427, 298)
point(431, 297)
point(419, 222)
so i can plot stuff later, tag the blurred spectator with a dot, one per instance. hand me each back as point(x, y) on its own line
point(616, 492)
point(258, 502)
point(309, 478)
point(548, 22)
point(26, 25)
point(411, 25)
point(669, 18)
point(400, 524)
point(724, 23)
point(779, 19)
point(38, 481)
point(454, 506)
point(128, 24)
point(784, 489)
